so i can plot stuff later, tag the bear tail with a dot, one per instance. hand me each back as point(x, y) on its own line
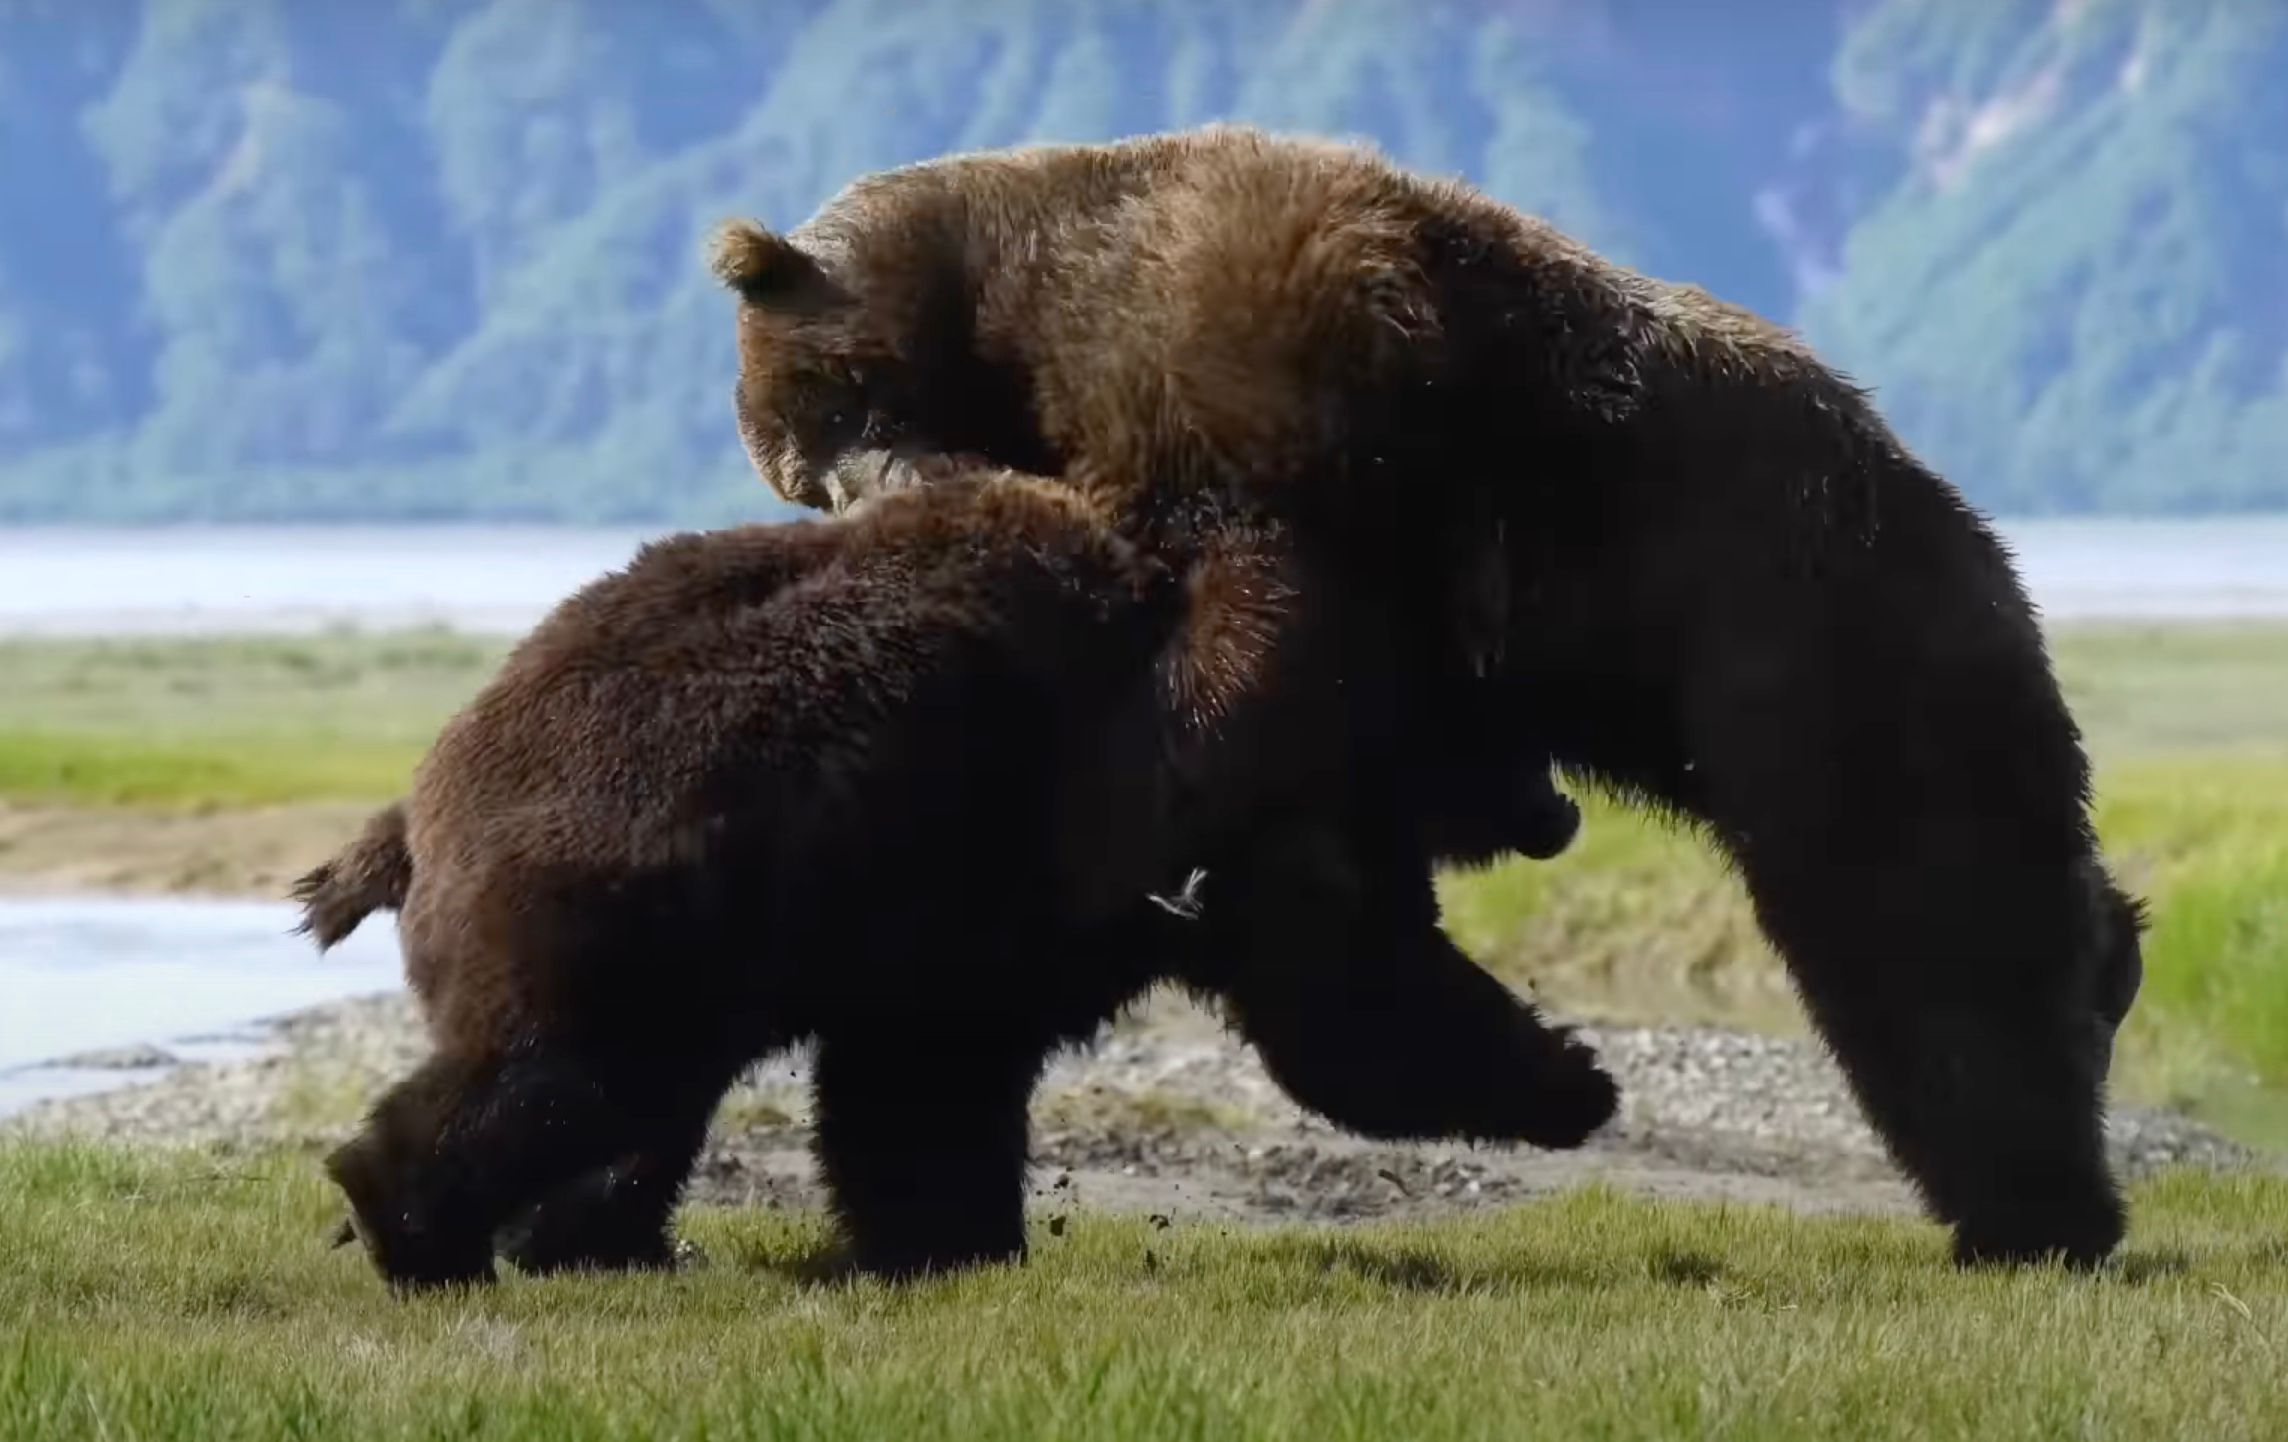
point(371, 874)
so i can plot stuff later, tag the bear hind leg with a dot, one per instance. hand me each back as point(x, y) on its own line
point(921, 1137)
point(468, 1140)
point(618, 1217)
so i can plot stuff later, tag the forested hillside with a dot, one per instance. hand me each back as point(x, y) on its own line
point(430, 258)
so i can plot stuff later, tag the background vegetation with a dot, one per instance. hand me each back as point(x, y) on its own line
point(430, 258)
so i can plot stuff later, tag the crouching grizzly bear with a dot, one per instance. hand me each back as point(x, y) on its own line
point(900, 784)
point(1731, 592)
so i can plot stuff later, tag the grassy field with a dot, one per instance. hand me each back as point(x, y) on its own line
point(234, 722)
point(188, 1295)
point(2189, 725)
point(225, 723)
point(152, 1298)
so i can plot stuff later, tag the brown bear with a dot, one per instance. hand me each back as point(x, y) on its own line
point(901, 784)
point(1722, 586)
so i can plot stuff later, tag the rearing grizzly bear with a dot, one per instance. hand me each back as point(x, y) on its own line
point(1734, 594)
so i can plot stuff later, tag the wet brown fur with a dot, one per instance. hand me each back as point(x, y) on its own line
point(1722, 585)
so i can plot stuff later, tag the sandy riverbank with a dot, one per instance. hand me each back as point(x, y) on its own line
point(238, 853)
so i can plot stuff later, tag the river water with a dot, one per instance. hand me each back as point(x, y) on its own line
point(95, 974)
point(86, 974)
point(502, 579)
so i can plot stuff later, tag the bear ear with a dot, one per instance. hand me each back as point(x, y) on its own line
point(757, 263)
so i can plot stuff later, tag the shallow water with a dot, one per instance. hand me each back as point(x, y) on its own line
point(2215, 569)
point(89, 974)
point(197, 580)
point(194, 580)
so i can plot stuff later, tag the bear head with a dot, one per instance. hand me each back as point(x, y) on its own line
point(860, 371)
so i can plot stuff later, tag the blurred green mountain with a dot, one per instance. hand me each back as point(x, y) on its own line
point(439, 258)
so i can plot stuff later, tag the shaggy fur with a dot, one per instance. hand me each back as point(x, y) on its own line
point(898, 784)
point(369, 874)
point(1721, 585)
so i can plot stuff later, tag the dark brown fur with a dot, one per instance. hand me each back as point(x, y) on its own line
point(1725, 587)
point(898, 784)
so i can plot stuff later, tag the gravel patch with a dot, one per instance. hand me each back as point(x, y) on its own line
point(1169, 1115)
point(121, 1058)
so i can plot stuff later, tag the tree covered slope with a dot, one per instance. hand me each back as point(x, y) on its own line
point(430, 258)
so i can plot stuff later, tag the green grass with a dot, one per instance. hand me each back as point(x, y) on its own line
point(344, 716)
point(155, 1297)
point(146, 1296)
point(2148, 690)
point(222, 723)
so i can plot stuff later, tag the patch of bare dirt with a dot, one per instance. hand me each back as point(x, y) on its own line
point(132, 851)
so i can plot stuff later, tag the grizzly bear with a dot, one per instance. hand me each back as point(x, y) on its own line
point(903, 784)
point(1722, 586)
